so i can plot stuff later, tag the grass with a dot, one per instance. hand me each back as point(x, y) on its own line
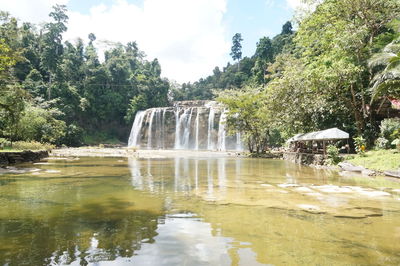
point(10, 150)
point(18, 146)
point(379, 160)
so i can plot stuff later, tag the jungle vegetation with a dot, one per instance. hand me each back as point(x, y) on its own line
point(334, 68)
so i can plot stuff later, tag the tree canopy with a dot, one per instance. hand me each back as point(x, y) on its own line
point(60, 92)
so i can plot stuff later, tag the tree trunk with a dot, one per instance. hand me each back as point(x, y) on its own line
point(49, 88)
point(360, 122)
point(250, 146)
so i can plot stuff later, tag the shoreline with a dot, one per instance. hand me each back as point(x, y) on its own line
point(10, 158)
point(147, 154)
point(124, 152)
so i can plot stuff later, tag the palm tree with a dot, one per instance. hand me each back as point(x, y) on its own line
point(386, 65)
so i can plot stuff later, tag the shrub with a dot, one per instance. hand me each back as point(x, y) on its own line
point(73, 136)
point(396, 142)
point(38, 124)
point(360, 144)
point(382, 143)
point(4, 142)
point(389, 127)
point(32, 145)
point(333, 155)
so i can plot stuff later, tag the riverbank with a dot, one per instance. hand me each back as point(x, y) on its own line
point(8, 158)
point(380, 160)
point(128, 152)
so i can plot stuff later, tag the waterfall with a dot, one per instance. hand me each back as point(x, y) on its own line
point(163, 130)
point(186, 125)
point(136, 128)
point(182, 123)
point(211, 115)
point(196, 146)
point(222, 132)
point(186, 132)
point(150, 128)
point(158, 129)
point(177, 129)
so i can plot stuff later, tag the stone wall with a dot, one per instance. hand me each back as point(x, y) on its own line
point(7, 158)
point(304, 158)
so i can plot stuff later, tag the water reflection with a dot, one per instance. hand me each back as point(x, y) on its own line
point(195, 211)
point(84, 235)
point(188, 174)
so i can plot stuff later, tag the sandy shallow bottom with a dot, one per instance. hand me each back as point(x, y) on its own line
point(148, 154)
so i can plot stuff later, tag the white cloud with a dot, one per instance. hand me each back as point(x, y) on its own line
point(187, 36)
point(294, 3)
point(28, 10)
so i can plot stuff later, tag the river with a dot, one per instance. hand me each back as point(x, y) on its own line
point(195, 211)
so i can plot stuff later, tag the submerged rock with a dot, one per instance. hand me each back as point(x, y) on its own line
point(348, 167)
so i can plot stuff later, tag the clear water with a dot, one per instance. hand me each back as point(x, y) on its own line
point(199, 211)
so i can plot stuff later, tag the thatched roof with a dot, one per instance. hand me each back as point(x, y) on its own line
point(327, 134)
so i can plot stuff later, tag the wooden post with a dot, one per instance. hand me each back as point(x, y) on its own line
point(324, 145)
point(312, 147)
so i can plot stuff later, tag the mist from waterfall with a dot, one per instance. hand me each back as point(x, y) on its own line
point(189, 125)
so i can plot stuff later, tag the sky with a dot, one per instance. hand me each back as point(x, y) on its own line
point(188, 37)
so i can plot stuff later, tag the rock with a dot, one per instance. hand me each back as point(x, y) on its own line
point(393, 173)
point(351, 168)
point(3, 158)
point(368, 172)
point(348, 167)
point(7, 158)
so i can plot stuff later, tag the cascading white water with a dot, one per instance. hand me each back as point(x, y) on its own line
point(182, 124)
point(136, 127)
point(196, 145)
point(210, 144)
point(222, 132)
point(198, 126)
point(186, 131)
point(150, 128)
point(177, 127)
point(163, 130)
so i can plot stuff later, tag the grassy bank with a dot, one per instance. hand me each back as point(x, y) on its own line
point(25, 145)
point(380, 160)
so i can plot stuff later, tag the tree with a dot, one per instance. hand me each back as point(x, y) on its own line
point(386, 64)
point(264, 55)
point(92, 38)
point(287, 28)
point(236, 50)
point(247, 116)
point(336, 42)
point(52, 47)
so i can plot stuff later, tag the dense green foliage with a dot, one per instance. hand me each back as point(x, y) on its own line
point(252, 71)
point(59, 92)
point(246, 116)
point(332, 153)
point(337, 70)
